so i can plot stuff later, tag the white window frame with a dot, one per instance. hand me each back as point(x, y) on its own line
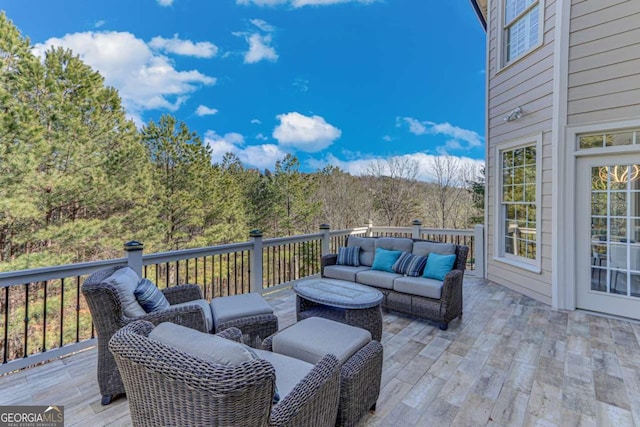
point(503, 29)
point(533, 265)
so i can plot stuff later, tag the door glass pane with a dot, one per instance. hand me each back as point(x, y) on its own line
point(615, 229)
point(619, 203)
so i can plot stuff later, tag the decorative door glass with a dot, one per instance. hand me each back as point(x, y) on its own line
point(615, 229)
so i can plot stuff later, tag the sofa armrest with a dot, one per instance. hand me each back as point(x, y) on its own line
point(451, 297)
point(330, 259)
point(182, 293)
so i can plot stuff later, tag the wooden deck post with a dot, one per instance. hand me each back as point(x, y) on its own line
point(326, 239)
point(417, 224)
point(255, 265)
point(479, 252)
point(134, 256)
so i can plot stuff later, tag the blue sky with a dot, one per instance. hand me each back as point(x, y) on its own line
point(338, 82)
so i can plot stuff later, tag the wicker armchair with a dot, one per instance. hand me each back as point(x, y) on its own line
point(108, 316)
point(166, 386)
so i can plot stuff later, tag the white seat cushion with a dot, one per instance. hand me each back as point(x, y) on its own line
point(312, 338)
point(343, 272)
point(234, 307)
point(289, 371)
point(430, 288)
point(377, 278)
point(206, 309)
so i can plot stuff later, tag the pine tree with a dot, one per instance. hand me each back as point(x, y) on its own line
point(182, 173)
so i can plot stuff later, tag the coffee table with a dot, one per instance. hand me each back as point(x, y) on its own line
point(342, 301)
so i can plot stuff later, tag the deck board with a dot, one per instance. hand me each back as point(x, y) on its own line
point(510, 361)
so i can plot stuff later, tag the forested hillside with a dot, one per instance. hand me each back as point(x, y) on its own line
point(78, 179)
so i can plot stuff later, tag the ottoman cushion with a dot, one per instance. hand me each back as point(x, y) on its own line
point(202, 303)
point(237, 306)
point(312, 338)
point(289, 371)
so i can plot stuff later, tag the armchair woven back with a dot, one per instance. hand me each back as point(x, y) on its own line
point(107, 314)
point(166, 386)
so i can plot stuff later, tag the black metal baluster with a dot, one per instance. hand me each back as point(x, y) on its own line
point(26, 318)
point(77, 308)
point(6, 325)
point(61, 313)
point(44, 318)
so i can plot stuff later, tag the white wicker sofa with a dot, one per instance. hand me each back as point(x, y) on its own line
point(432, 299)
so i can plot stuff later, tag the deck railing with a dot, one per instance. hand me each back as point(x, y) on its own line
point(44, 315)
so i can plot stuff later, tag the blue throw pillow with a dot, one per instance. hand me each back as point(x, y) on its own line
point(410, 265)
point(150, 297)
point(349, 256)
point(385, 259)
point(438, 265)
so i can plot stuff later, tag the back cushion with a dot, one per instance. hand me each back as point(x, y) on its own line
point(205, 346)
point(125, 280)
point(367, 248)
point(425, 248)
point(394, 244)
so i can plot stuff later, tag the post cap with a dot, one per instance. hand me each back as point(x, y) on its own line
point(416, 222)
point(133, 245)
point(255, 233)
point(324, 226)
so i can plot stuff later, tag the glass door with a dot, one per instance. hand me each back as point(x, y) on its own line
point(608, 261)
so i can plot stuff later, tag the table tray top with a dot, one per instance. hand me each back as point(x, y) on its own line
point(338, 293)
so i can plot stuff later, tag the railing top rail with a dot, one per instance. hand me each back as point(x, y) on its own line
point(349, 231)
point(21, 277)
point(277, 241)
point(448, 231)
point(378, 229)
point(182, 254)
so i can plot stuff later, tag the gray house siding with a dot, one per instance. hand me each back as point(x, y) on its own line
point(527, 83)
point(604, 61)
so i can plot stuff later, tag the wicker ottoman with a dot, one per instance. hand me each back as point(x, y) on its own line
point(360, 357)
point(248, 312)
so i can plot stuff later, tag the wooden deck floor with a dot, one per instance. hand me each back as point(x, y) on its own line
point(510, 361)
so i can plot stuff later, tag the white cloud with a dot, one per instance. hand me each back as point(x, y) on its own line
point(309, 134)
point(144, 79)
point(165, 3)
point(256, 122)
point(260, 48)
point(301, 3)
point(459, 135)
point(387, 138)
point(184, 47)
point(360, 166)
point(302, 85)
point(261, 156)
point(261, 137)
point(99, 23)
point(203, 110)
point(263, 25)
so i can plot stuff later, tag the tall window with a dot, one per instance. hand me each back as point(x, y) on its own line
point(521, 27)
point(518, 212)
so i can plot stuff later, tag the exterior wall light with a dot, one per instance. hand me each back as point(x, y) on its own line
point(514, 115)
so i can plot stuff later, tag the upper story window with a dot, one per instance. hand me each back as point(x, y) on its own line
point(522, 27)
